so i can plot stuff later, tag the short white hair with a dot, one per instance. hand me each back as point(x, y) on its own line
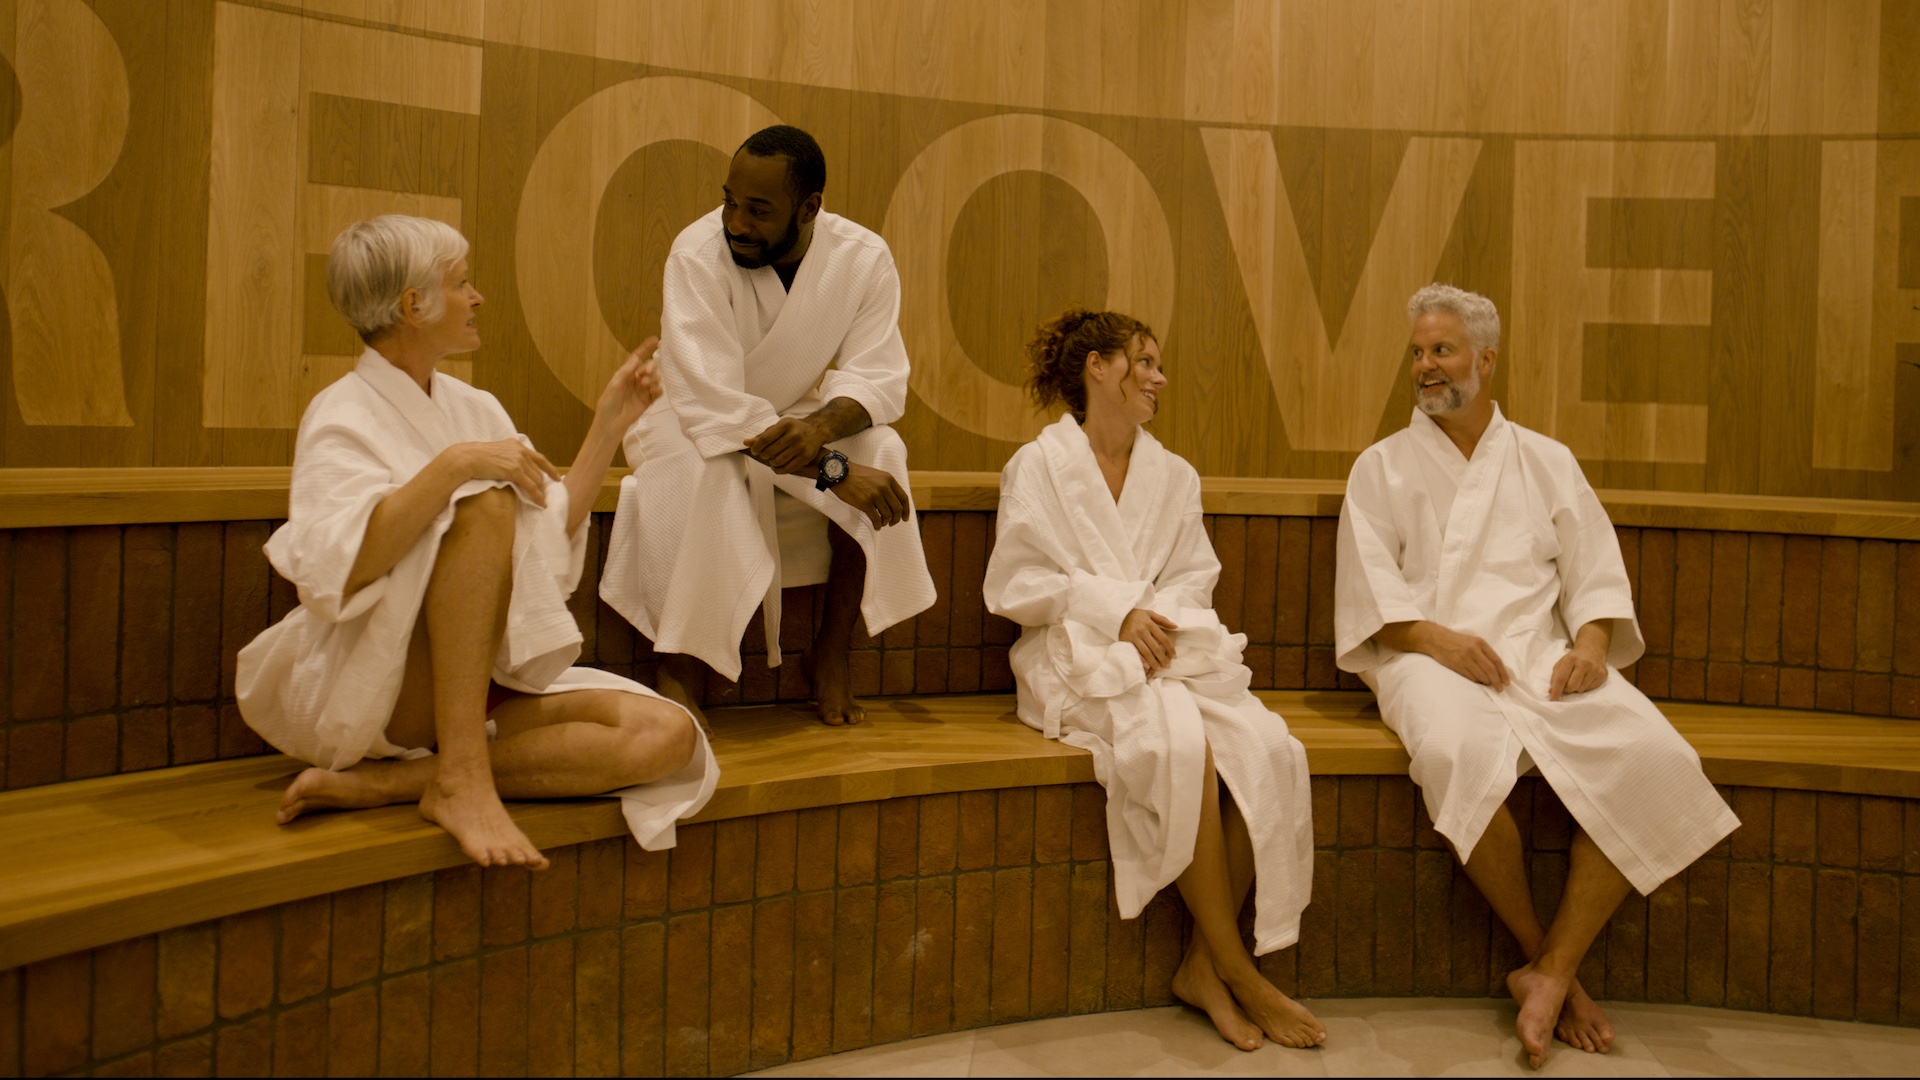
point(373, 264)
point(1474, 311)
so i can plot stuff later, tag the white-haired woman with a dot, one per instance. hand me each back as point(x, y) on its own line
point(434, 549)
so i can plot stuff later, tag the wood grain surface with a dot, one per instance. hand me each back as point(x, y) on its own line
point(1701, 218)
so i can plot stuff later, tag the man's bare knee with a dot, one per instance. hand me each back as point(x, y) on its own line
point(492, 507)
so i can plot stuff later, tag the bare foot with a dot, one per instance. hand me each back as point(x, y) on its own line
point(679, 681)
point(1582, 1022)
point(1540, 996)
point(359, 788)
point(833, 688)
point(1197, 984)
point(1285, 1020)
point(475, 817)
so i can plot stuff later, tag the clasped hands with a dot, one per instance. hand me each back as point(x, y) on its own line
point(1583, 668)
point(1151, 634)
point(794, 447)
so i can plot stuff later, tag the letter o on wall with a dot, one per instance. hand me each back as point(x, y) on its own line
point(553, 239)
point(919, 227)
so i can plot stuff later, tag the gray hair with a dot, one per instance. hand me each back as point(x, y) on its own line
point(1474, 311)
point(373, 264)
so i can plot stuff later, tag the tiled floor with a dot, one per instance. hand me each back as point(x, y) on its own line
point(1394, 1037)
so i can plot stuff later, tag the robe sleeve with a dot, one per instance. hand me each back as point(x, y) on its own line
point(1593, 577)
point(337, 481)
point(1370, 590)
point(1027, 584)
point(871, 367)
point(704, 365)
point(1192, 568)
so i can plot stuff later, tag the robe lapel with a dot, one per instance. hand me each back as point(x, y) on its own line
point(429, 427)
point(1472, 510)
point(1143, 499)
point(787, 363)
point(1095, 519)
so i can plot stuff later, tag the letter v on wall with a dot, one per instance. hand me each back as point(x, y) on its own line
point(1330, 393)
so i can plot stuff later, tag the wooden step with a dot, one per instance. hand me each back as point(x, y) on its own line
point(96, 861)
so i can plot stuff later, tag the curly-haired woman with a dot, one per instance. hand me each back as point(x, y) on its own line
point(1103, 558)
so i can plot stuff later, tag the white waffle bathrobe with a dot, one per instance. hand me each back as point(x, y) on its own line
point(1515, 548)
point(699, 540)
point(320, 684)
point(1068, 565)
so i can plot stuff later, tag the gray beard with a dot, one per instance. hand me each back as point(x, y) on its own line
point(1453, 400)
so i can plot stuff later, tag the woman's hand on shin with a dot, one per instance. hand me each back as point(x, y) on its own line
point(1151, 633)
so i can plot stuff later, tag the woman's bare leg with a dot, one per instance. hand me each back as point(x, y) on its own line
point(1196, 982)
point(1207, 887)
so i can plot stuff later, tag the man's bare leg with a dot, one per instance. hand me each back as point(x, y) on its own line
point(1206, 885)
point(1197, 982)
point(827, 661)
point(682, 679)
point(1498, 869)
point(1595, 888)
point(585, 742)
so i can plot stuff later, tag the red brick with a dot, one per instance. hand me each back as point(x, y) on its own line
point(969, 570)
point(352, 1020)
point(1087, 938)
point(54, 1023)
point(408, 923)
point(1748, 891)
point(1656, 597)
point(973, 950)
point(978, 832)
point(1754, 838)
point(596, 997)
point(357, 918)
point(1797, 688)
point(1290, 582)
point(963, 670)
point(891, 1000)
point(864, 669)
point(1323, 541)
point(600, 865)
point(1910, 950)
point(1689, 680)
point(853, 935)
point(186, 967)
point(245, 583)
point(1051, 936)
point(813, 922)
point(34, 754)
point(1089, 822)
point(1432, 897)
point(1358, 803)
point(1759, 684)
point(733, 863)
point(729, 999)
point(300, 1040)
point(456, 912)
point(817, 848)
point(553, 893)
point(646, 882)
point(1012, 944)
point(1326, 810)
point(933, 955)
point(405, 1025)
point(146, 614)
point(454, 1031)
point(236, 739)
point(1162, 939)
point(772, 981)
point(506, 901)
point(1873, 694)
point(1013, 828)
point(1839, 601)
point(898, 846)
point(690, 873)
point(1315, 964)
point(796, 619)
point(1835, 918)
point(1707, 919)
point(774, 853)
point(643, 999)
point(1793, 826)
point(1906, 610)
point(1726, 632)
point(1790, 972)
point(1724, 682)
point(1053, 823)
point(246, 963)
point(193, 732)
point(123, 989)
point(39, 624)
point(936, 537)
point(1873, 627)
point(1354, 920)
point(143, 740)
point(245, 1049)
point(1321, 672)
point(550, 979)
point(1766, 559)
point(1126, 955)
point(93, 619)
point(1800, 601)
point(1838, 827)
point(1906, 696)
point(196, 611)
point(503, 1012)
point(1667, 941)
point(1654, 676)
point(1692, 593)
point(189, 1057)
point(1259, 589)
point(930, 671)
point(1229, 594)
point(857, 844)
point(1877, 989)
point(1880, 833)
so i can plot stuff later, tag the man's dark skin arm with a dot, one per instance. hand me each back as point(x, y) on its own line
point(796, 446)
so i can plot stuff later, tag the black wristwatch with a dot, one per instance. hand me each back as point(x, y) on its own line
point(833, 470)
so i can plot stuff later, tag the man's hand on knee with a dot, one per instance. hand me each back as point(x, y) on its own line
point(875, 493)
point(790, 446)
point(1464, 654)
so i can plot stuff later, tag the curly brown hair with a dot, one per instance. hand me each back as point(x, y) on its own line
point(1056, 357)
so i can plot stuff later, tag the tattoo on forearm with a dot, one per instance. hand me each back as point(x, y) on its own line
point(842, 417)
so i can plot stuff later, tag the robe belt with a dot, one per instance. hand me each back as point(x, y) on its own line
point(760, 489)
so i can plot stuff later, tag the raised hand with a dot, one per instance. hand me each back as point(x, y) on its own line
point(1466, 654)
point(790, 446)
point(873, 492)
point(632, 389)
point(1151, 633)
point(510, 460)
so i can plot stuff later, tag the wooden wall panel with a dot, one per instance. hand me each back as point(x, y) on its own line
point(1699, 217)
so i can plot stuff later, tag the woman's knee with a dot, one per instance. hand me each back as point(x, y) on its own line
point(661, 737)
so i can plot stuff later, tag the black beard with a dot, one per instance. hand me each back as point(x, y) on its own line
point(770, 254)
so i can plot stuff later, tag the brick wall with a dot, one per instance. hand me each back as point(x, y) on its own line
point(119, 646)
point(787, 936)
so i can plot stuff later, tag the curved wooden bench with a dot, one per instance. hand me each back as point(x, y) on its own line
point(98, 861)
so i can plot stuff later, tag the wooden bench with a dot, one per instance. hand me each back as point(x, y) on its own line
point(98, 861)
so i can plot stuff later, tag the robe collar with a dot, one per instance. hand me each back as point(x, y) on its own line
point(1430, 434)
point(1110, 533)
point(423, 414)
point(1479, 479)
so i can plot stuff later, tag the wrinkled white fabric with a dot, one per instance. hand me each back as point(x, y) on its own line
point(321, 684)
point(1068, 564)
point(696, 539)
point(1515, 548)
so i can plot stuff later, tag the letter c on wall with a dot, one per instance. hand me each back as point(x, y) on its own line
point(919, 228)
point(553, 244)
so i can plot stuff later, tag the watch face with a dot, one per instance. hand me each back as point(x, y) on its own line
point(835, 468)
